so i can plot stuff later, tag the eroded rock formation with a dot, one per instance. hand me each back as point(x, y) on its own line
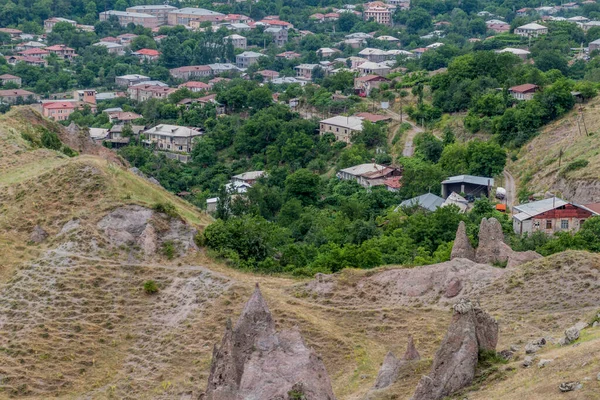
point(390, 369)
point(492, 249)
point(462, 247)
point(471, 330)
point(256, 362)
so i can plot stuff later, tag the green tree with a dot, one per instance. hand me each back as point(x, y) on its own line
point(304, 186)
point(485, 158)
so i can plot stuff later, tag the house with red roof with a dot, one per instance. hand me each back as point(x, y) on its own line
point(8, 78)
point(191, 71)
point(40, 53)
point(268, 75)
point(524, 92)
point(147, 54)
point(364, 84)
point(13, 96)
point(195, 86)
point(62, 51)
point(14, 33)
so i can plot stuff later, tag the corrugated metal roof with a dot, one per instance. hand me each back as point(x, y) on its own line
point(534, 208)
point(476, 180)
point(428, 201)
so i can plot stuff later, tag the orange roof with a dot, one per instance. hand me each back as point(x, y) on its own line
point(58, 47)
point(501, 207)
point(30, 52)
point(60, 104)
point(527, 87)
point(373, 117)
point(393, 182)
point(195, 85)
point(148, 52)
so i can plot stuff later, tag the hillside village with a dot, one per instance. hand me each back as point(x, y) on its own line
point(392, 199)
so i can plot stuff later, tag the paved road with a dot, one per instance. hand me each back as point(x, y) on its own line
point(511, 189)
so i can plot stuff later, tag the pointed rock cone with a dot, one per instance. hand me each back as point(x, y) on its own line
point(462, 247)
point(411, 353)
point(471, 330)
point(388, 373)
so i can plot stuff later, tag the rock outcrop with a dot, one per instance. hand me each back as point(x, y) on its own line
point(139, 227)
point(492, 249)
point(38, 235)
point(390, 369)
point(455, 361)
point(256, 362)
point(462, 246)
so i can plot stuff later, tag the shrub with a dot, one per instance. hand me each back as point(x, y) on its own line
point(166, 208)
point(69, 151)
point(168, 249)
point(50, 140)
point(150, 287)
point(574, 166)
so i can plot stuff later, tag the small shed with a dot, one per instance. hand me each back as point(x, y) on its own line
point(469, 185)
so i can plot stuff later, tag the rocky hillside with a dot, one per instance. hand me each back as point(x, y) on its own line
point(105, 294)
point(541, 168)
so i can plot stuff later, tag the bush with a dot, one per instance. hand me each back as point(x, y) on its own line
point(574, 166)
point(50, 140)
point(166, 208)
point(69, 151)
point(150, 287)
point(168, 249)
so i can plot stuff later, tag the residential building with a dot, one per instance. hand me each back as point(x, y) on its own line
point(531, 30)
point(550, 216)
point(14, 33)
point(126, 38)
point(50, 22)
point(147, 54)
point(160, 11)
point(287, 80)
point(369, 175)
point(191, 72)
point(143, 91)
point(112, 48)
point(30, 45)
point(238, 41)
point(371, 68)
point(185, 15)
point(233, 27)
point(247, 58)
point(475, 186)
point(523, 92)
point(388, 38)
point(373, 55)
point(341, 127)
point(7, 78)
point(34, 61)
point(125, 18)
point(279, 34)
point(237, 19)
point(327, 52)
point(172, 137)
point(427, 201)
point(522, 12)
point(248, 178)
point(288, 55)
point(222, 68)
point(359, 35)
point(62, 51)
point(393, 183)
point(195, 86)
point(523, 54)
point(595, 45)
point(268, 75)
point(59, 110)
point(591, 24)
point(87, 96)
point(378, 12)
point(305, 70)
point(499, 28)
point(40, 53)
point(14, 96)
point(275, 23)
point(131, 79)
point(123, 117)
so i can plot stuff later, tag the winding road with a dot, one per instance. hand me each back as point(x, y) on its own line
point(409, 149)
point(511, 189)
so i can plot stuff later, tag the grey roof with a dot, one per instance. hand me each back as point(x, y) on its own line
point(475, 180)
point(152, 7)
point(428, 201)
point(127, 14)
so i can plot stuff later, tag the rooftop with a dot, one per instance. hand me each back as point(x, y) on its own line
point(173, 131)
point(475, 180)
point(353, 123)
point(428, 201)
point(533, 26)
point(250, 175)
point(534, 208)
point(527, 87)
point(195, 11)
point(370, 170)
point(127, 14)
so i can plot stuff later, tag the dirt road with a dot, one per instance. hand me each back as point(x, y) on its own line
point(409, 149)
point(511, 189)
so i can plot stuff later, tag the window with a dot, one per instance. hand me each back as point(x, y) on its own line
point(581, 222)
point(548, 224)
point(564, 224)
point(536, 224)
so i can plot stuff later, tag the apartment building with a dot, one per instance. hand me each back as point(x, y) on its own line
point(238, 41)
point(142, 92)
point(160, 11)
point(125, 18)
point(280, 35)
point(62, 51)
point(131, 79)
point(341, 127)
point(185, 15)
point(379, 12)
point(305, 70)
point(247, 58)
point(172, 137)
point(531, 30)
point(191, 72)
point(14, 96)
